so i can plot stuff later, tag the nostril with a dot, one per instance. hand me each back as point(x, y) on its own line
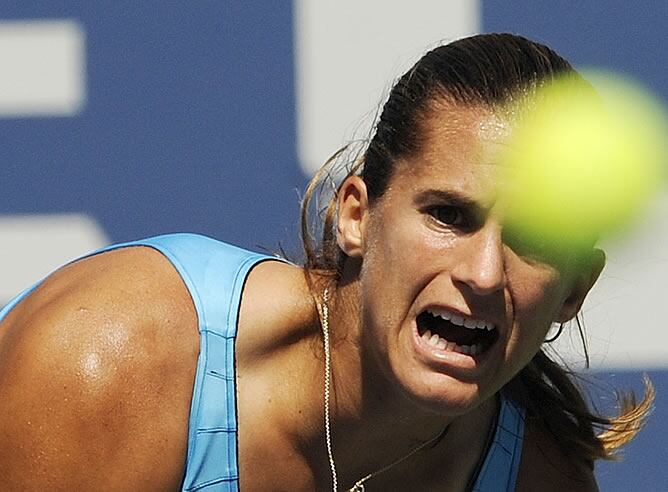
point(481, 286)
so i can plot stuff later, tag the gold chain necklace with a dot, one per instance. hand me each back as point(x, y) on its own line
point(359, 485)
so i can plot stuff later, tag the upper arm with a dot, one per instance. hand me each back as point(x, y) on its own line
point(546, 468)
point(96, 372)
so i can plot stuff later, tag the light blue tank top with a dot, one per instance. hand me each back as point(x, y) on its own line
point(215, 274)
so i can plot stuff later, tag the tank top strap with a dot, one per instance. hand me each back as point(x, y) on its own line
point(215, 274)
point(501, 466)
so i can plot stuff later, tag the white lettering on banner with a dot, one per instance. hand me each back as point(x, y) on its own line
point(346, 55)
point(32, 246)
point(43, 68)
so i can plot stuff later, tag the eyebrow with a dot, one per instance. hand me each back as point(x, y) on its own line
point(452, 198)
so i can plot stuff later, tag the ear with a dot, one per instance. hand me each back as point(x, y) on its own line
point(583, 283)
point(353, 208)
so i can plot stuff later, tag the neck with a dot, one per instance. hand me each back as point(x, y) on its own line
point(373, 424)
point(366, 414)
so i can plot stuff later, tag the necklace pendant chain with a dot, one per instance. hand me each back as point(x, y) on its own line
point(359, 485)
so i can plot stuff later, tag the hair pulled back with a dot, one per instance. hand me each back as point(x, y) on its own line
point(488, 70)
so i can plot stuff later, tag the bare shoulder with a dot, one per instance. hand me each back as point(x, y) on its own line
point(277, 310)
point(545, 467)
point(96, 372)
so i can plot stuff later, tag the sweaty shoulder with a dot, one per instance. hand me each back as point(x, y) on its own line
point(545, 467)
point(277, 311)
point(96, 373)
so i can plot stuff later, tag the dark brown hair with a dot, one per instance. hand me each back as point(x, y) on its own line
point(488, 70)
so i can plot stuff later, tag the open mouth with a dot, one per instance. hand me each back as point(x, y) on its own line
point(452, 332)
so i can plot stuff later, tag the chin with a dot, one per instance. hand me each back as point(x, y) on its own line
point(443, 395)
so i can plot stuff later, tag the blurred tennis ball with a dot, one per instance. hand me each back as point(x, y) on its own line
point(582, 163)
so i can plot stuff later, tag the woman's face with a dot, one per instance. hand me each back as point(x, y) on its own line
point(450, 309)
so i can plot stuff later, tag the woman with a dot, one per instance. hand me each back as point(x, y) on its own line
point(405, 355)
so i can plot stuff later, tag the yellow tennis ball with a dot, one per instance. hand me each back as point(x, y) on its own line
point(582, 163)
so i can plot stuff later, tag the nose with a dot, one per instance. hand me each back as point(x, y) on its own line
point(481, 262)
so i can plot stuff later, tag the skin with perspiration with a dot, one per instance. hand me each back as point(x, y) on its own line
point(97, 366)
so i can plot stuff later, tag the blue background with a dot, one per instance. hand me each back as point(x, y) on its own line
point(189, 125)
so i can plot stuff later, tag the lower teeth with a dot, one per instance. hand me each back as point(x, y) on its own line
point(441, 343)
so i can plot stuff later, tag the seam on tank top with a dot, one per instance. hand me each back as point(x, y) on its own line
point(497, 446)
point(514, 466)
point(501, 446)
point(212, 481)
point(219, 335)
point(254, 260)
point(519, 442)
point(202, 322)
point(515, 412)
point(516, 435)
point(481, 466)
point(223, 333)
point(242, 271)
point(215, 430)
point(218, 375)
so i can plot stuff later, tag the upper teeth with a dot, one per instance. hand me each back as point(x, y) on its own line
point(459, 320)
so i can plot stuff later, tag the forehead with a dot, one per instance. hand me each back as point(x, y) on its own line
point(459, 149)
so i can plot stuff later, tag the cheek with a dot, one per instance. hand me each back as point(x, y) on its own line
point(536, 301)
point(394, 270)
point(395, 246)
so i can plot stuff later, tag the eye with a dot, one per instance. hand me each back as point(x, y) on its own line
point(448, 215)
